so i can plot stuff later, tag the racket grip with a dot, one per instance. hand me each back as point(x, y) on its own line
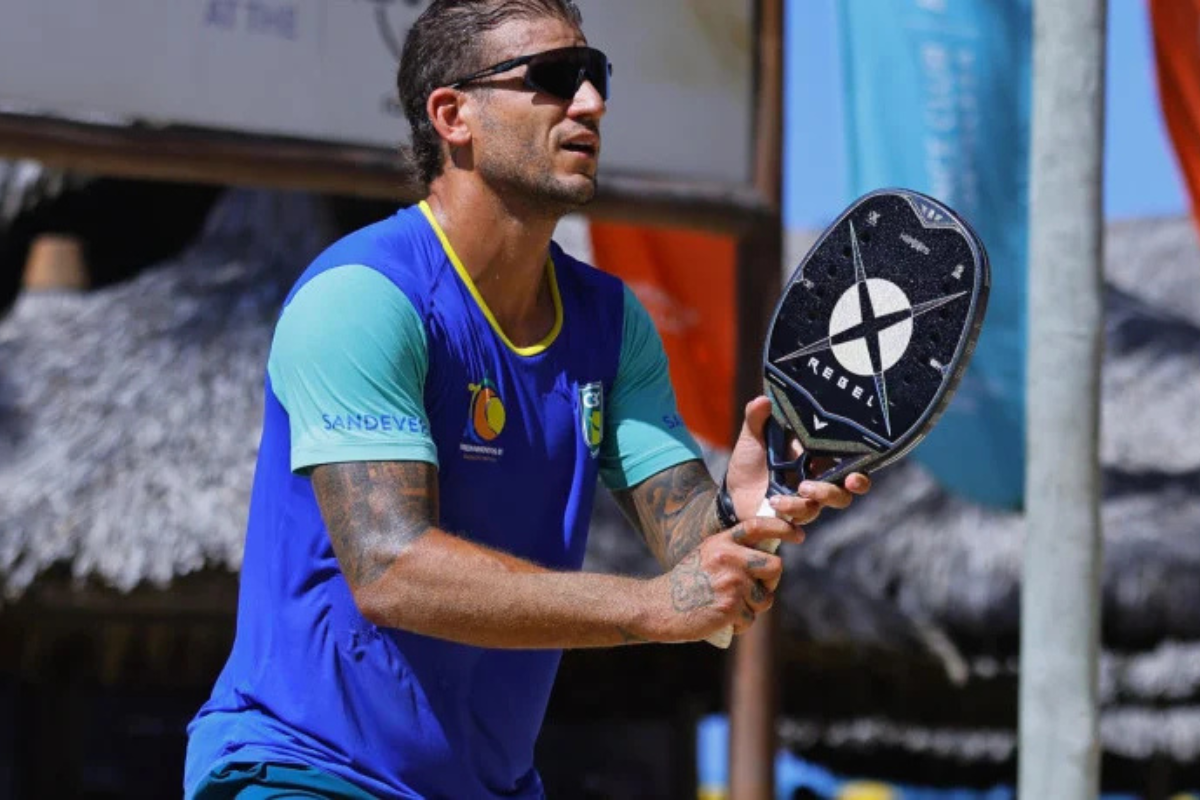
point(723, 639)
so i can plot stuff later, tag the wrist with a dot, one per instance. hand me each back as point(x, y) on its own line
point(726, 513)
point(658, 618)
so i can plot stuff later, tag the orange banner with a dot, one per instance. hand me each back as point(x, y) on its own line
point(686, 280)
point(1176, 26)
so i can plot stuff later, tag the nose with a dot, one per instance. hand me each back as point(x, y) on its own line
point(587, 102)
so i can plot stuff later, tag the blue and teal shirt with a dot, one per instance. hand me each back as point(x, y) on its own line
point(385, 350)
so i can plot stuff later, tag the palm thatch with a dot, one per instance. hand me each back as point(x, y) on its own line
point(129, 417)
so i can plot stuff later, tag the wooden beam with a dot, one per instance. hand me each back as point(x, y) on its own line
point(208, 156)
point(753, 699)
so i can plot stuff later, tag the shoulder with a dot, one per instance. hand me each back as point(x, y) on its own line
point(347, 309)
point(401, 249)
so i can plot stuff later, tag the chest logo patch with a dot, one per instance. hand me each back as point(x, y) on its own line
point(487, 411)
point(485, 422)
point(591, 415)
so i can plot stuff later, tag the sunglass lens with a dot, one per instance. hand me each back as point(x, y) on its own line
point(562, 73)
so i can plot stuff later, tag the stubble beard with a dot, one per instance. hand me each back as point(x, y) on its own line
point(527, 180)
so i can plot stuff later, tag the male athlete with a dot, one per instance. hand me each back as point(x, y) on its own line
point(443, 390)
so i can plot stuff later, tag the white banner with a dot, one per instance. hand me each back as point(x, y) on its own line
point(325, 70)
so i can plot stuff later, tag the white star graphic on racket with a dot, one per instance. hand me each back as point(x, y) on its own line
point(870, 327)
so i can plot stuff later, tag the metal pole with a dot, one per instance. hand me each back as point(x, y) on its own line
point(1060, 596)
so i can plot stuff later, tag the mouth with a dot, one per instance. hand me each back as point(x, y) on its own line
point(583, 147)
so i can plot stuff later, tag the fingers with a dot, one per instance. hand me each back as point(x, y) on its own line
point(796, 510)
point(750, 532)
point(828, 495)
point(858, 483)
point(758, 600)
point(765, 570)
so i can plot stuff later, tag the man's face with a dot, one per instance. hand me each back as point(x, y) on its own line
point(530, 146)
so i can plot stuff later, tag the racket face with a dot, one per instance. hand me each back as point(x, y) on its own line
point(874, 330)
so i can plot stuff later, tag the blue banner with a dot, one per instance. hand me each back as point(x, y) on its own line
point(937, 99)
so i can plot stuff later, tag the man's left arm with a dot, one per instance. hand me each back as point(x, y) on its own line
point(675, 509)
point(653, 466)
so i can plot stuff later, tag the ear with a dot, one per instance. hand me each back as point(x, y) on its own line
point(445, 110)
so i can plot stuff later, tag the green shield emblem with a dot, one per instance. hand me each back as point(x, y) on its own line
point(591, 415)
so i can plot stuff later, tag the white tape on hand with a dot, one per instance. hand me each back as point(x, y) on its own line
point(723, 639)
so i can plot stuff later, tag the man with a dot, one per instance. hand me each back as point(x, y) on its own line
point(443, 390)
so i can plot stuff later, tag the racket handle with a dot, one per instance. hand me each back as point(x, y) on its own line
point(723, 639)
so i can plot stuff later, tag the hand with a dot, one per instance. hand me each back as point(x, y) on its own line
point(724, 582)
point(746, 476)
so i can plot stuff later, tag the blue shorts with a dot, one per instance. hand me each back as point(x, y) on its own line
point(259, 781)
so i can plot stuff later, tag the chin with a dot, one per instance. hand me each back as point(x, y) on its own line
point(585, 194)
point(554, 194)
point(580, 190)
point(567, 195)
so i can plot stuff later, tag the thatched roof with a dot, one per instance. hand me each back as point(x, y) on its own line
point(24, 184)
point(129, 419)
point(129, 416)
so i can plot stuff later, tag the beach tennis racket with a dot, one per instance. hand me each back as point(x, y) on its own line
point(870, 339)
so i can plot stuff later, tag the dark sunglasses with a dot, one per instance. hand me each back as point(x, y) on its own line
point(557, 72)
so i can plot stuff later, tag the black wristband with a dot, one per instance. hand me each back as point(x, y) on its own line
point(726, 514)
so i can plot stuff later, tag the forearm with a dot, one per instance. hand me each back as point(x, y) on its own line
point(675, 510)
point(448, 587)
point(406, 572)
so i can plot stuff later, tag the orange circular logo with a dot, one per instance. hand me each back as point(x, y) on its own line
point(487, 411)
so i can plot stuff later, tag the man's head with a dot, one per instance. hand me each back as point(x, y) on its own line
point(515, 128)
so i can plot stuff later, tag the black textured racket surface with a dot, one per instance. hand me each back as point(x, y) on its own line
point(872, 335)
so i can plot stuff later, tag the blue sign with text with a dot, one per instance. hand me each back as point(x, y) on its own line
point(937, 99)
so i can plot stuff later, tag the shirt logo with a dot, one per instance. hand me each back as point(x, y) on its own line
point(485, 422)
point(591, 415)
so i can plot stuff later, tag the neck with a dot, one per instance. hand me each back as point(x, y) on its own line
point(503, 248)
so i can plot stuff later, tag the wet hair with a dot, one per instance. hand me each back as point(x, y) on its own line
point(446, 43)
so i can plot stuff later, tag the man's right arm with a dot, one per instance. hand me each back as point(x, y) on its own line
point(405, 572)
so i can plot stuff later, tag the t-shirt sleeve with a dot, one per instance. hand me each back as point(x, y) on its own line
point(348, 363)
point(643, 431)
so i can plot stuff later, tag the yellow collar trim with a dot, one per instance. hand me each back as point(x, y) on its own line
point(533, 349)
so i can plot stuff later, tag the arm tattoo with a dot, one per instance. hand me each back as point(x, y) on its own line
point(374, 511)
point(673, 509)
point(690, 586)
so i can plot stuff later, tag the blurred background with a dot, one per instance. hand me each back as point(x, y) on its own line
point(159, 194)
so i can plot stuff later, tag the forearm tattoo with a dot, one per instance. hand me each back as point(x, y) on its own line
point(374, 511)
point(674, 510)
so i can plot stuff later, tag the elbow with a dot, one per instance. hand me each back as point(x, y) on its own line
point(374, 607)
point(384, 606)
point(374, 593)
point(385, 582)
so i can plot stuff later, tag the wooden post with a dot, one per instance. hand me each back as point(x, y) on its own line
point(752, 739)
point(56, 263)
